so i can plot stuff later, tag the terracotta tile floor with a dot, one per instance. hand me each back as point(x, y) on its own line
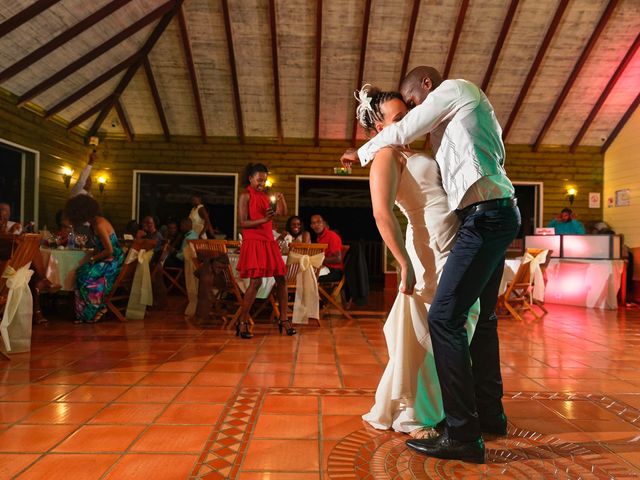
point(164, 399)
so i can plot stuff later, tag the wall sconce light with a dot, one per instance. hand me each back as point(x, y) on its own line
point(102, 181)
point(66, 176)
point(571, 193)
point(269, 182)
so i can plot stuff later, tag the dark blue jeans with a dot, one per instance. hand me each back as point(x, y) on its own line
point(470, 374)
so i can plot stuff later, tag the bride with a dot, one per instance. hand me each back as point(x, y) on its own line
point(408, 398)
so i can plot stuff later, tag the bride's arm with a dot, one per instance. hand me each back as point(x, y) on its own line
point(383, 181)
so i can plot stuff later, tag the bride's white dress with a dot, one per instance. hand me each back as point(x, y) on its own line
point(408, 395)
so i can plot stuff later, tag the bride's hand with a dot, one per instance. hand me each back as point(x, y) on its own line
point(407, 280)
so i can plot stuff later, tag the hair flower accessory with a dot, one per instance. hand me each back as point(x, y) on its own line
point(364, 102)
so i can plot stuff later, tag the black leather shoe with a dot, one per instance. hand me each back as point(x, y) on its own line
point(450, 449)
point(494, 426)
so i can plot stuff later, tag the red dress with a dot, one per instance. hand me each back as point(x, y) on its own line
point(260, 255)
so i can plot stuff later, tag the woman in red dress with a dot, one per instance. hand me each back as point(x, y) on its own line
point(259, 254)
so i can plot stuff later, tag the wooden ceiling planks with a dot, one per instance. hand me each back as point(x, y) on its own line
point(623, 121)
point(363, 51)
point(295, 70)
point(250, 31)
point(575, 73)
point(338, 71)
point(615, 40)
point(537, 61)
point(23, 16)
point(296, 49)
point(571, 38)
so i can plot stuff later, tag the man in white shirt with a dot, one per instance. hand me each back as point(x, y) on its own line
point(467, 141)
point(83, 185)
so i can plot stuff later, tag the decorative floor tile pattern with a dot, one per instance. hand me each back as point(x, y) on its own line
point(165, 399)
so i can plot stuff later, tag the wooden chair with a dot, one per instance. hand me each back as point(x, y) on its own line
point(291, 277)
point(517, 297)
point(226, 295)
point(23, 249)
point(117, 299)
point(172, 274)
point(332, 291)
point(543, 267)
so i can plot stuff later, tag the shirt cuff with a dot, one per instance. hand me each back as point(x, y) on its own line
point(364, 156)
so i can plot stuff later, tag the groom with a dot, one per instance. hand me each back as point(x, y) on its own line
point(467, 141)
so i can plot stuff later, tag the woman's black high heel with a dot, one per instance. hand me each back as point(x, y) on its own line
point(290, 330)
point(246, 334)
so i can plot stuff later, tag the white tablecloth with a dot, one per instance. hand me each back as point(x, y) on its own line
point(584, 283)
point(61, 265)
point(243, 283)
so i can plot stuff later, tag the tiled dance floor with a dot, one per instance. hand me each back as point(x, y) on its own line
point(162, 399)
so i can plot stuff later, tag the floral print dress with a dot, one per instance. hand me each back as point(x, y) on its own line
point(95, 280)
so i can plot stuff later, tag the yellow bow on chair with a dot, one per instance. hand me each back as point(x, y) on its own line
point(15, 327)
point(535, 273)
point(141, 290)
point(307, 302)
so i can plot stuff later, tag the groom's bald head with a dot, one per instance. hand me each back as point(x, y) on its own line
point(418, 83)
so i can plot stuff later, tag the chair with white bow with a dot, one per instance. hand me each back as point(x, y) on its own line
point(332, 291)
point(16, 302)
point(118, 298)
point(527, 286)
point(303, 266)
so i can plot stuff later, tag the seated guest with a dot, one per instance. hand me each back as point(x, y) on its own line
point(176, 257)
point(294, 232)
point(174, 235)
point(7, 226)
point(95, 278)
point(566, 223)
point(134, 229)
point(152, 233)
point(333, 254)
point(64, 228)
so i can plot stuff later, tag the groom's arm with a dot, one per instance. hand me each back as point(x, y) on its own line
point(439, 104)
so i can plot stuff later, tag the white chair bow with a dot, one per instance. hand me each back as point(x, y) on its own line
point(307, 302)
point(16, 320)
point(141, 290)
point(536, 277)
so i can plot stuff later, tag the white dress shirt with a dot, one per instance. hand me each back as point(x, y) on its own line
point(466, 138)
point(78, 188)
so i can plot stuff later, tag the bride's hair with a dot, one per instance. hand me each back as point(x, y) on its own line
point(370, 99)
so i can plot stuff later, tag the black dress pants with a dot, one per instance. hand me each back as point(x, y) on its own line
point(469, 375)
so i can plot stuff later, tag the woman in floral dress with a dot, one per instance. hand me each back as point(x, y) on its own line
point(94, 279)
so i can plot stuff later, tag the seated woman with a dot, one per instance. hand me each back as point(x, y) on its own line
point(294, 232)
point(64, 228)
point(8, 227)
point(94, 279)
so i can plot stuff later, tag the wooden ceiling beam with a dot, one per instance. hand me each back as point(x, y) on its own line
point(274, 63)
point(562, 6)
point(191, 67)
point(415, 10)
point(456, 37)
point(61, 39)
point(156, 98)
point(506, 25)
point(25, 15)
point(102, 115)
point(91, 86)
point(95, 53)
point(605, 93)
point(316, 129)
point(123, 120)
point(89, 113)
point(363, 54)
point(139, 59)
point(234, 73)
point(575, 72)
point(625, 118)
